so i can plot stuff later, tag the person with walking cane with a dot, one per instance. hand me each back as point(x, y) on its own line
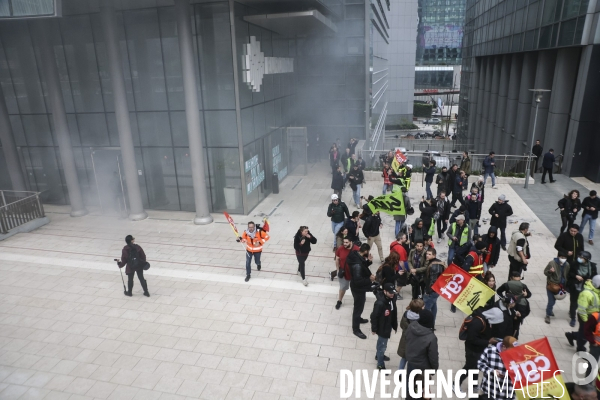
point(134, 258)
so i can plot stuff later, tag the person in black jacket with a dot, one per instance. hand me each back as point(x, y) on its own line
point(507, 305)
point(356, 178)
point(570, 242)
point(580, 271)
point(302, 242)
point(134, 258)
point(492, 245)
point(442, 205)
point(442, 182)
point(537, 150)
point(569, 207)
point(460, 181)
point(500, 211)
point(521, 293)
point(590, 207)
point(462, 210)
point(429, 172)
point(548, 165)
point(371, 232)
point(336, 211)
point(473, 206)
point(384, 318)
point(428, 210)
point(337, 182)
point(480, 188)
point(353, 226)
point(362, 279)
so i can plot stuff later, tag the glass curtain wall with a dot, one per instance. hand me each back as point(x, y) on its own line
point(379, 72)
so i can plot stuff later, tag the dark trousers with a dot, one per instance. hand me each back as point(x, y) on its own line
point(418, 289)
point(549, 171)
point(140, 274)
point(442, 225)
point(457, 196)
point(471, 358)
point(301, 266)
point(514, 266)
point(573, 296)
point(359, 306)
point(566, 223)
point(502, 237)
point(249, 256)
point(535, 165)
point(579, 336)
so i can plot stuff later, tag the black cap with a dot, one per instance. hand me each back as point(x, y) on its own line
point(426, 318)
point(128, 239)
point(390, 288)
point(585, 254)
point(480, 245)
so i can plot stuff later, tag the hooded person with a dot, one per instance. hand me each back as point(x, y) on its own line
point(507, 306)
point(384, 318)
point(442, 181)
point(419, 231)
point(428, 209)
point(134, 258)
point(411, 315)
point(422, 346)
point(492, 245)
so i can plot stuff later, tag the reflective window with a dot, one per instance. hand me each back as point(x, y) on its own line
point(37, 130)
point(93, 130)
point(155, 129)
point(161, 179)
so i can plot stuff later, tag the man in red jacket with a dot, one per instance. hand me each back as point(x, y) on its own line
point(341, 254)
point(134, 258)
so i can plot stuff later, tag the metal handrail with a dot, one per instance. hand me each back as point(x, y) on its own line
point(19, 212)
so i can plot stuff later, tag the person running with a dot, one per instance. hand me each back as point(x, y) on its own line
point(384, 318)
point(342, 269)
point(411, 315)
point(336, 211)
point(590, 207)
point(556, 273)
point(569, 207)
point(500, 211)
point(443, 213)
point(134, 258)
point(460, 183)
point(362, 278)
point(254, 239)
point(302, 242)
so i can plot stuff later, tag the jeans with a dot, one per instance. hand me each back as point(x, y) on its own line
point(356, 195)
point(485, 176)
point(551, 302)
point(402, 363)
point(335, 228)
point(588, 218)
point(249, 260)
point(301, 266)
point(451, 251)
point(386, 188)
point(398, 227)
point(359, 306)
point(442, 225)
point(431, 303)
point(381, 348)
point(428, 190)
point(377, 240)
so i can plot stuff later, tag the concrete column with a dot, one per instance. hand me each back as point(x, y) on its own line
point(108, 17)
point(563, 86)
point(497, 143)
point(491, 126)
point(41, 30)
point(524, 107)
point(480, 89)
point(512, 101)
point(473, 105)
point(484, 133)
point(184, 31)
point(10, 148)
point(544, 76)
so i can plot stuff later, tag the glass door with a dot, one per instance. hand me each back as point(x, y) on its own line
point(110, 182)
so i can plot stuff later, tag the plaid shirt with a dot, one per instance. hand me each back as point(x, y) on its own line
point(488, 362)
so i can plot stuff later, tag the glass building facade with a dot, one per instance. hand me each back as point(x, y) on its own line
point(243, 129)
point(440, 31)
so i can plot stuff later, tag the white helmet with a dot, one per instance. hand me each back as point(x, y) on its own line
point(334, 196)
point(560, 295)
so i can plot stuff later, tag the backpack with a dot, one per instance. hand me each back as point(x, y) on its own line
point(134, 258)
point(462, 333)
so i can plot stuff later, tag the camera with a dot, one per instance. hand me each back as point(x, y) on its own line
point(376, 287)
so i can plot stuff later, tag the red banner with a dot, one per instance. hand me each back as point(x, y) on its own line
point(232, 224)
point(534, 371)
point(400, 157)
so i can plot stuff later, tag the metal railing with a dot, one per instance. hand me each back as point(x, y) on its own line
point(18, 208)
point(444, 145)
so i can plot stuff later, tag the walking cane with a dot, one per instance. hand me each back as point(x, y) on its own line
point(123, 280)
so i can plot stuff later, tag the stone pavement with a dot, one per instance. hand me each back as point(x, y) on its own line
point(67, 331)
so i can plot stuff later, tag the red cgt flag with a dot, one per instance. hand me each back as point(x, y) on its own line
point(266, 226)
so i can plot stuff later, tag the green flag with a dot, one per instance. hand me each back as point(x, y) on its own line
point(392, 204)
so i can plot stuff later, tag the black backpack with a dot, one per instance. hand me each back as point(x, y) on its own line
point(462, 333)
point(134, 258)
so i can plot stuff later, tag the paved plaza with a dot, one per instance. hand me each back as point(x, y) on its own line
point(68, 332)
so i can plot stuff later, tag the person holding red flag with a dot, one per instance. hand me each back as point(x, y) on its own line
point(254, 237)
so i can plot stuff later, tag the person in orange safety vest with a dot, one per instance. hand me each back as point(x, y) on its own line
point(474, 260)
point(591, 331)
point(254, 238)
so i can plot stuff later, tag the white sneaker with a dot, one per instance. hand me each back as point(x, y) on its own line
point(298, 273)
point(305, 282)
point(439, 240)
point(494, 187)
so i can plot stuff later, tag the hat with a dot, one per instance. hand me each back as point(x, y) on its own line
point(493, 315)
point(502, 197)
point(596, 281)
point(390, 288)
point(334, 197)
point(585, 254)
point(460, 217)
point(128, 239)
point(480, 245)
point(509, 342)
point(409, 166)
point(426, 318)
point(510, 298)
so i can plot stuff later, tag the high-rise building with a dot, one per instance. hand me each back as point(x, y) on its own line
point(513, 46)
point(97, 109)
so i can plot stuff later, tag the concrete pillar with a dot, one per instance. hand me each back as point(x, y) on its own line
point(501, 105)
point(10, 148)
point(473, 105)
point(512, 102)
point(522, 131)
point(480, 89)
point(544, 76)
point(108, 17)
point(41, 30)
point(484, 133)
point(491, 126)
point(563, 86)
point(192, 113)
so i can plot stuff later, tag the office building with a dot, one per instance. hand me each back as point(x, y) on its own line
point(99, 107)
point(513, 46)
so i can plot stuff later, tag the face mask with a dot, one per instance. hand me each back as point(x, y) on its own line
point(580, 260)
point(562, 260)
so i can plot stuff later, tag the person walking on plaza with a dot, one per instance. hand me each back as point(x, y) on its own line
point(580, 270)
point(336, 211)
point(494, 371)
point(416, 260)
point(429, 172)
point(492, 246)
point(410, 316)
point(587, 303)
point(421, 347)
point(459, 184)
point(344, 278)
point(490, 280)
point(334, 158)
point(590, 207)
point(353, 226)
point(442, 182)
point(556, 272)
point(518, 250)
point(453, 172)
point(500, 211)
point(569, 207)
point(473, 206)
point(591, 332)
point(537, 150)
point(489, 164)
point(400, 247)
point(479, 185)
point(337, 182)
point(371, 232)
point(522, 293)
point(134, 259)
point(362, 278)
point(443, 211)
point(548, 165)
point(432, 270)
point(356, 178)
point(347, 161)
point(254, 239)
point(302, 242)
point(458, 241)
point(385, 174)
point(570, 242)
point(465, 165)
point(384, 318)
